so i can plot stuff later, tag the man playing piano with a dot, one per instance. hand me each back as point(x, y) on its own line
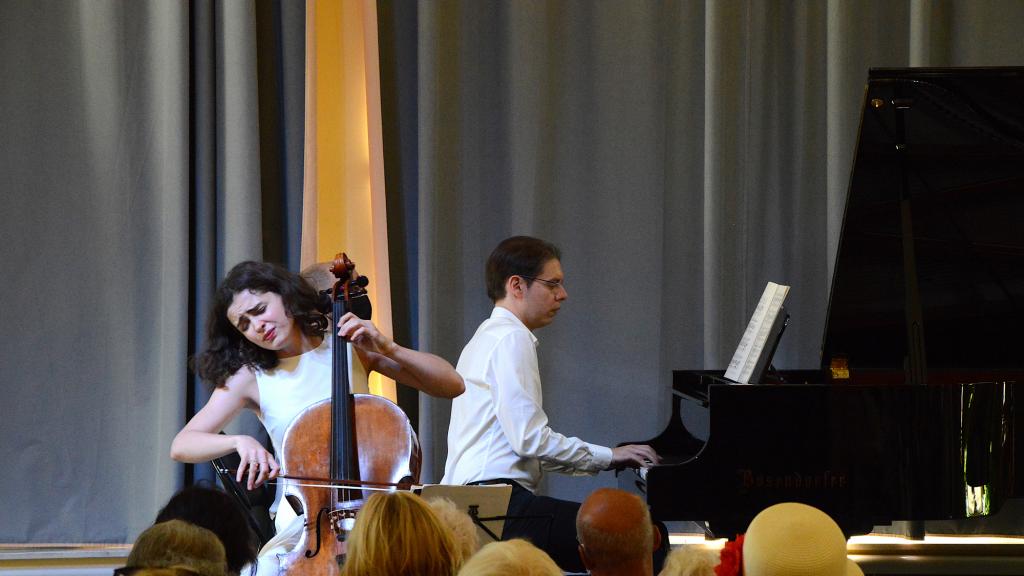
point(499, 432)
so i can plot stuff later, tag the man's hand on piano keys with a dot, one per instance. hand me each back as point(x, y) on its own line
point(633, 456)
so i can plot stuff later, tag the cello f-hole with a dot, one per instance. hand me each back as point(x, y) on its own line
point(310, 554)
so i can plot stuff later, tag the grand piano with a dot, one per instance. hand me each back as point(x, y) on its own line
point(914, 411)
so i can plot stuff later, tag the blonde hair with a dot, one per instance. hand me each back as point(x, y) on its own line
point(397, 533)
point(467, 539)
point(176, 543)
point(690, 561)
point(515, 557)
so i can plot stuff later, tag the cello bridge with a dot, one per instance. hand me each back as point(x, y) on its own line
point(342, 520)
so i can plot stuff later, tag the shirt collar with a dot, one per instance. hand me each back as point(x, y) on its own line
point(500, 312)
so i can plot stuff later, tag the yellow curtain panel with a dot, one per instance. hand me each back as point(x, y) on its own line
point(343, 196)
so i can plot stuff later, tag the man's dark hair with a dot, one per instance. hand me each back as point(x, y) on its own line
point(227, 349)
point(517, 256)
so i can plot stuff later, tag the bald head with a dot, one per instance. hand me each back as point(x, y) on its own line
point(319, 275)
point(615, 533)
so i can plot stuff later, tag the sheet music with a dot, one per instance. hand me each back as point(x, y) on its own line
point(752, 345)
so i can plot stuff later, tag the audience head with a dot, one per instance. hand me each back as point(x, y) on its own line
point(397, 533)
point(793, 539)
point(176, 543)
point(216, 511)
point(615, 533)
point(172, 571)
point(690, 561)
point(467, 540)
point(517, 256)
point(515, 557)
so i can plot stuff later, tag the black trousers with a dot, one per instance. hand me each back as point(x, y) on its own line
point(550, 524)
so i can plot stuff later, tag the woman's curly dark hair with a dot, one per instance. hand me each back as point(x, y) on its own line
point(227, 350)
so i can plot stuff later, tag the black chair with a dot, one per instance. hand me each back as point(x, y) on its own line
point(256, 503)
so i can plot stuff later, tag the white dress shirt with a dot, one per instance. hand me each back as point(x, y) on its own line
point(498, 427)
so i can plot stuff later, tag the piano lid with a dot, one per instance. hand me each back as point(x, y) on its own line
point(936, 199)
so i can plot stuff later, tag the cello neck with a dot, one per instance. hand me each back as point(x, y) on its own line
point(344, 461)
point(348, 295)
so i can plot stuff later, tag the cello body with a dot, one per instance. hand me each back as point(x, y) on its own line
point(347, 438)
point(388, 452)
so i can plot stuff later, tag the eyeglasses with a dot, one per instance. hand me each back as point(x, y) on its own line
point(553, 284)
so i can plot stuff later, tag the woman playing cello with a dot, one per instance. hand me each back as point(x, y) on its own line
point(266, 351)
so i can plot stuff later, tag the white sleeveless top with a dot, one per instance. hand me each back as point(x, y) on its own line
point(286, 390)
point(293, 385)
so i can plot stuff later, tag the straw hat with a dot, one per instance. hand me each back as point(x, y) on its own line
point(793, 539)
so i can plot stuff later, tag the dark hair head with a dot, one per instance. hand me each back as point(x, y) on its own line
point(218, 513)
point(517, 256)
point(227, 349)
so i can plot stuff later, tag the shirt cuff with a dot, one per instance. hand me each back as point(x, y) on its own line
point(602, 456)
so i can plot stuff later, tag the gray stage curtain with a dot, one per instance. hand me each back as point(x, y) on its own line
point(682, 154)
point(247, 137)
point(130, 178)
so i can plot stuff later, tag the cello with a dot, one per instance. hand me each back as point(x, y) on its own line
point(347, 441)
